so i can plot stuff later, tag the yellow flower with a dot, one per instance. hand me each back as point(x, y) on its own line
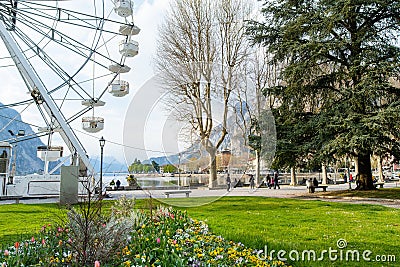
point(126, 251)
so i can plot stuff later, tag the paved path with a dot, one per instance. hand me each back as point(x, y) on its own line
point(286, 191)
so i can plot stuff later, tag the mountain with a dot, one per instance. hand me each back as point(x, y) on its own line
point(27, 161)
point(110, 164)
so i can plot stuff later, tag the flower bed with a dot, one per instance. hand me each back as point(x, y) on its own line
point(166, 238)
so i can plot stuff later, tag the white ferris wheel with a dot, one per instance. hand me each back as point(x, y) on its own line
point(70, 54)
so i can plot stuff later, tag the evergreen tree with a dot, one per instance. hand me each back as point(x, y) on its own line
point(340, 90)
point(155, 165)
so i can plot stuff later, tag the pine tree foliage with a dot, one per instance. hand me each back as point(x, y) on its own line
point(340, 92)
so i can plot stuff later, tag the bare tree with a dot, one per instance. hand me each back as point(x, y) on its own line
point(253, 114)
point(202, 46)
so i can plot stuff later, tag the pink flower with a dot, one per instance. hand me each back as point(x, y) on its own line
point(96, 264)
point(174, 242)
point(33, 239)
point(43, 242)
point(6, 253)
point(158, 240)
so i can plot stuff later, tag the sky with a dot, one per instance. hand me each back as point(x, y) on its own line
point(148, 14)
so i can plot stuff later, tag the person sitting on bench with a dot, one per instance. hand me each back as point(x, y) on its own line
point(315, 182)
point(310, 186)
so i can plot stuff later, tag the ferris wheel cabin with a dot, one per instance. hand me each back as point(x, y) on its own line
point(119, 88)
point(129, 30)
point(5, 160)
point(92, 124)
point(123, 8)
point(50, 153)
point(128, 48)
point(117, 68)
point(93, 103)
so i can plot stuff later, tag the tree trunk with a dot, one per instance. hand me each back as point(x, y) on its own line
point(212, 179)
point(324, 174)
point(380, 170)
point(364, 180)
point(356, 166)
point(258, 161)
point(293, 178)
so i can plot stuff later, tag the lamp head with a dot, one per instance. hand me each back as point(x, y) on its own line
point(102, 142)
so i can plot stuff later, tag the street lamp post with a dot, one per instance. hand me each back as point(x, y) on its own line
point(179, 170)
point(102, 142)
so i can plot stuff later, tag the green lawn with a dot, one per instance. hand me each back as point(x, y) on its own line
point(281, 224)
point(387, 193)
point(20, 221)
point(289, 224)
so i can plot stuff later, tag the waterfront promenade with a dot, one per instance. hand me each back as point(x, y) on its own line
point(286, 191)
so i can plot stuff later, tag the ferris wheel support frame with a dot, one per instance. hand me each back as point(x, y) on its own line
point(34, 85)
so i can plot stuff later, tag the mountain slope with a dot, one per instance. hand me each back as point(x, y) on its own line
point(27, 160)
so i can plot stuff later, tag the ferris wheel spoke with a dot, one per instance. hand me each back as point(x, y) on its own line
point(60, 38)
point(78, 114)
point(74, 18)
point(68, 78)
point(58, 70)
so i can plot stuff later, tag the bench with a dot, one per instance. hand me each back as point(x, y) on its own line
point(380, 184)
point(187, 192)
point(17, 198)
point(323, 186)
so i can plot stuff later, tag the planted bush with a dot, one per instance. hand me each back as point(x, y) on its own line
point(164, 237)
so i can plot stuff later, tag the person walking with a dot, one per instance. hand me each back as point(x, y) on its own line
point(228, 182)
point(118, 184)
point(276, 180)
point(252, 181)
point(269, 181)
